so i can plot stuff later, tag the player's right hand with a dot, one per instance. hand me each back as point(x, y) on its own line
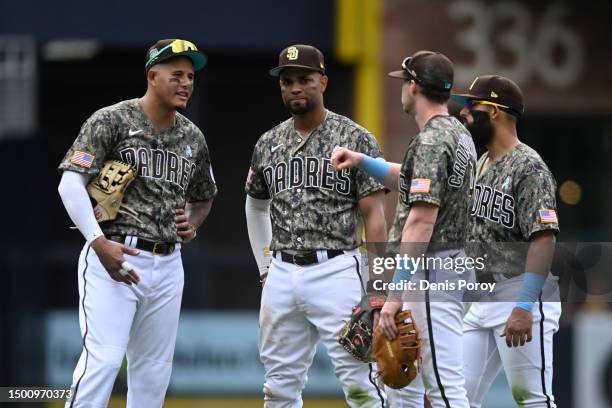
point(343, 158)
point(518, 330)
point(111, 256)
point(387, 318)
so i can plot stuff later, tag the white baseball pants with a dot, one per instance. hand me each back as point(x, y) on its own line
point(301, 305)
point(528, 368)
point(116, 318)
point(438, 315)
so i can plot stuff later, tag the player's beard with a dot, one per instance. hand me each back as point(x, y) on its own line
point(481, 127)
point(299, 109)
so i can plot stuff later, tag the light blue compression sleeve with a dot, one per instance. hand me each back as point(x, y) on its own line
point(377, 168)
point(402, 273)
point(532, 286)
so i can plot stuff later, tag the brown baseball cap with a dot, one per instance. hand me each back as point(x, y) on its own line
point(429, 69)
point(498, 90)
point(163, 50)
point(300, 56)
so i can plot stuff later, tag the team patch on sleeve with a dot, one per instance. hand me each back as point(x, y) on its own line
point(82, 159)
point(547, 216)
point(420, 185)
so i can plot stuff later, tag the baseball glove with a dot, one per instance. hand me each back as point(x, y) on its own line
point(398, 359)
point(108, 189)
point(356, 336)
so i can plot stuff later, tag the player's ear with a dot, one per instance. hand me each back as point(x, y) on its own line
point(495, 112)
point(413, 88)
point(152, 75)
point(323, 80)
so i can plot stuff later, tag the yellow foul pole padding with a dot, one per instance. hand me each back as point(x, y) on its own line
point(358, 42)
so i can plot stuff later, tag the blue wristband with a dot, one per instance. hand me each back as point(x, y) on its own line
point(402, 273)
point(377, 168)
point(532, 286)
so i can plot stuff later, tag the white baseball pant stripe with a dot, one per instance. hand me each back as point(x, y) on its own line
point(116, 318)
point(439, 318)
point(301, 305)
point(528, 368)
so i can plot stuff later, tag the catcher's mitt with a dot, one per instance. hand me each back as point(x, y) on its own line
point(398, 359)
point(108, 188)
point(356, 336)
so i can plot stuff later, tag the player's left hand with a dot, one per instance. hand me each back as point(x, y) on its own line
point(518, 328)
point(184, 228)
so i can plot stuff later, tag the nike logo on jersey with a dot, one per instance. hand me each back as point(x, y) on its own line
point(274, 148)
point(134, 132)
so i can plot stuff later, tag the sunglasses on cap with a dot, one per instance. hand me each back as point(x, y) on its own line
point(473, 102)
point(410, 71)
point(177, 46)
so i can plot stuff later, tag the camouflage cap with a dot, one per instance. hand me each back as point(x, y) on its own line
point(300, 56)
point(500, 91)
point(164, 50)
point(429, 69)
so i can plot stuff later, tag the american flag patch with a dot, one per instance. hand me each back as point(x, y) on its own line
point(82, 159)
point(420, 185)
point(547, 216)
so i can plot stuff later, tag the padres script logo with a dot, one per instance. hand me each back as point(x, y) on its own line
point(292, 53)
point(160, 165)
point(307, 172)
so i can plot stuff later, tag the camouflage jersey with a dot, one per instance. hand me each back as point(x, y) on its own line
point(438, 168)
point(513, 198)
point(173, 167)
point(313, 206)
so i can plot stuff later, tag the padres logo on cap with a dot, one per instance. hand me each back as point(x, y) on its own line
point(292, 53)
point(494, 95)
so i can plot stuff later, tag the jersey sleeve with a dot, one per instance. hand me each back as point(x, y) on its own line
point(256, 185)
point(366, 185)
point(89, 150)
point(428, 177)
point(202, 185)
point(536, 202)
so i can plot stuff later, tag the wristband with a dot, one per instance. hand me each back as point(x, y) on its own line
point(532, 286)
point(402, 273)
point(377, 168)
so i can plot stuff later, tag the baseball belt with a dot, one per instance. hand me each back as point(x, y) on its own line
point(306, 258)
point(156, 247)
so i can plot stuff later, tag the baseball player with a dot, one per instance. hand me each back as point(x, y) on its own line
point(310, 217)
point(514, 213)
point(130, 272)
point(434, 182)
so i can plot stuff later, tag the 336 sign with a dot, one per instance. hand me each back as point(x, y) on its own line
point(532, 44)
